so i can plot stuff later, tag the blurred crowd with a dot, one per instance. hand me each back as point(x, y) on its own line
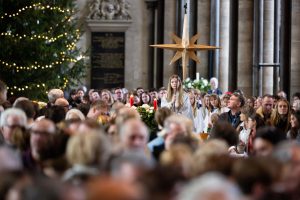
point(94, 145)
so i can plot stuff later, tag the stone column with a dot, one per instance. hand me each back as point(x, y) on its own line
point(136, 51)
point(245, 46)
point(268, 56)
point(203, 27)
point(295, 48)
point(224, 43)
point(170, 19)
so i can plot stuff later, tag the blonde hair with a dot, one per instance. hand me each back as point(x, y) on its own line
point(275, 116)
point(194, 105)
point(170, 92)
point(79, 115)
point(87, 149)
point(111, 99)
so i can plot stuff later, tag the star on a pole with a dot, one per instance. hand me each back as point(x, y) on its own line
point(185, 48)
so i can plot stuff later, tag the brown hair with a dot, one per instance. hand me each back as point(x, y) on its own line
point(171, 92)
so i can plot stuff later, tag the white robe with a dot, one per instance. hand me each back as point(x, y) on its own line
point(185, 110)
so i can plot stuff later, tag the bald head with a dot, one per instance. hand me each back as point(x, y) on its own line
point(44, 125)
point(134, 134)
point(63, 103)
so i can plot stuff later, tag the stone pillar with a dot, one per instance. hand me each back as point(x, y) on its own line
point(136, 52)
point(170, 19)
point(295, 48)
point(203, 27)
point(224, 44)
point(268, 56)
point(214, 56)
point(245, 46)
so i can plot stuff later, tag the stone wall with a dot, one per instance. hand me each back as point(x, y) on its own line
point(295, 60)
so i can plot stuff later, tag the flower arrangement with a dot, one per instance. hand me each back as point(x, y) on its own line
point(201, 84)
point(147, 115)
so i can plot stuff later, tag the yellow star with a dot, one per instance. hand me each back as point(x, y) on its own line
point(185, 48)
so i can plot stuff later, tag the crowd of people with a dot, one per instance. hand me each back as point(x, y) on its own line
point(94, 145)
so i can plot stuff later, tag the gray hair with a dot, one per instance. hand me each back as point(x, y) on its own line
point(13, 112)
point(214, 79)
point(127, 126)
point(206, 186)
point(75, 111)
point(54, 94)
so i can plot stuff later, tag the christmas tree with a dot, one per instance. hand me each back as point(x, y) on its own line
point(38, 46)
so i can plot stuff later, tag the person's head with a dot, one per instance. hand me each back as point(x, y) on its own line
point(118, 94)
point(214, 83)
point(75, 114)
point(224, 131)
point(10, 120)
point(236, 101)
point(19, 99)
point(153, 94)
point(161, 115)
point(139, 91)
point(95, 96)
point(296, 105)
point(3, 91)
point(215, 101)
point(97, 108)
point(258, 102)
point(129, 166)
point(89, 93)
point(28, 107)
point(267, 104)
point(251, 101)
point(87, 149)
point(176, 125)
point(80, 93)
point(295, 119)
point(225, 100)
point(192, 97)
point(282, 94)
point(162, 93)
point(210, 186)
point(282, 107)
point(63, 103)
point(266, 139)
point(55, 113)
point(73, 94)
point(296, 96)
point(109, 188)
point(88, 125)
point(54, 94)
point(206, 101)
point(251, 174)
point(107, 96)
point(145, 98)
point(214, 118)
point(134, 135)
point(246, 111)
point(255, 121)
point(41, 132)
point(174, 83)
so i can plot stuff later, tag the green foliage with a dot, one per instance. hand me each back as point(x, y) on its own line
point(38, 46)
point(147, 115)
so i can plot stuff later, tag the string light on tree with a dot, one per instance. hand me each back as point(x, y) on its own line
point(33, 34)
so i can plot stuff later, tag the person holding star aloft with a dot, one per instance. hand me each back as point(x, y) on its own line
point(177, 100)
